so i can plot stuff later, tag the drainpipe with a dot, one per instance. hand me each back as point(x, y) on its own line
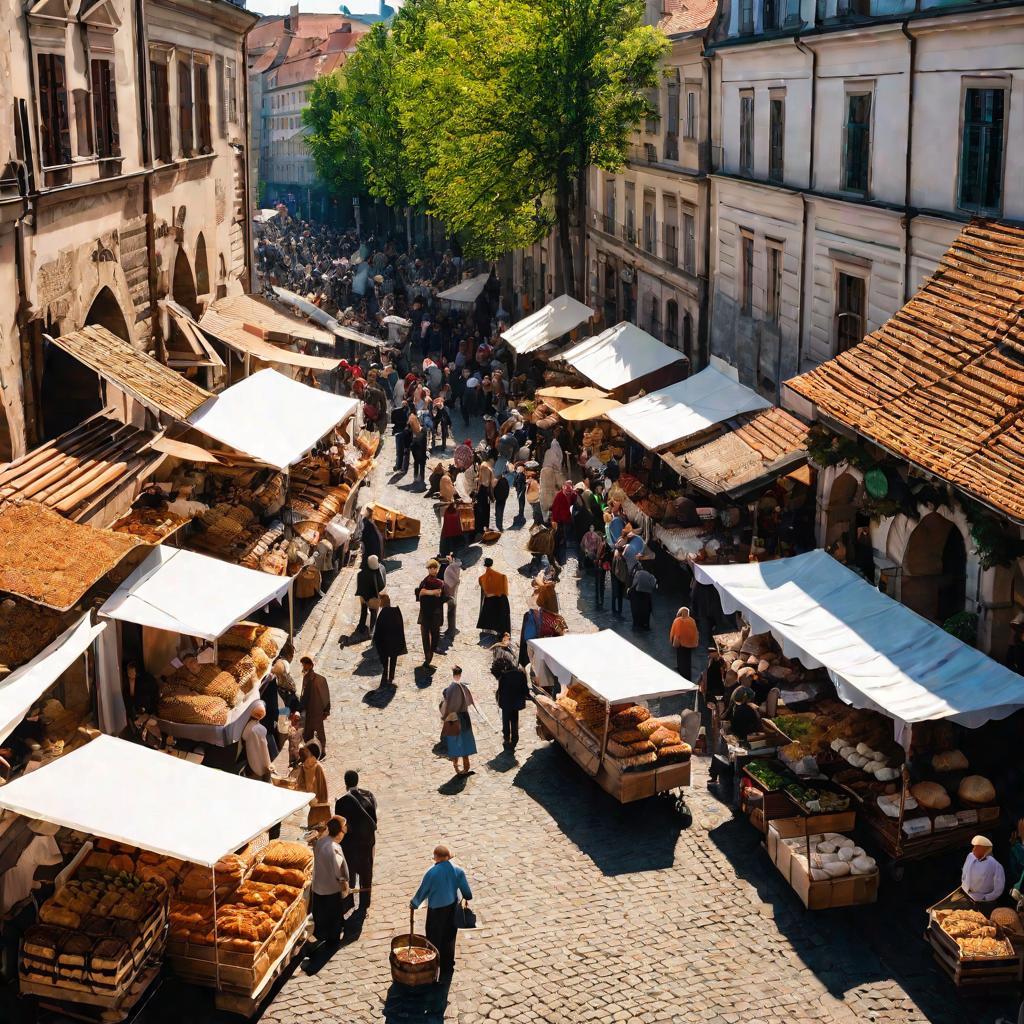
point(243, 73)
point(908, 214)
point(810, 184)
point(704, 333)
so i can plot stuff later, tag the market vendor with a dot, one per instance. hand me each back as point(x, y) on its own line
point(743, 714)
point(983, 878)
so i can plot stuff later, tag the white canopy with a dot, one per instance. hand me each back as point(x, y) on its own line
point(879, 653)
point(548, 324)
point(271, 417)
point(130, 794)
point(619, 355)
point(609, 666)
point(466, 291)
point(189, 593)
point(304, 306)
point(25, 685)
point(681, 410)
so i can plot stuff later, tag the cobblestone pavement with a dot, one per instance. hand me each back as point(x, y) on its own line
point(588, 911)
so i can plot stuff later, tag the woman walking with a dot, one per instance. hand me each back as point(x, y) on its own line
point(495, 615)
point(457, 727)
point(313, 780)
point(389, 639)
point(370, 583)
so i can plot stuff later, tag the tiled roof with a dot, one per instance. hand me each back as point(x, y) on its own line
point(686, 16)
point(309, 67)
point(766, 443)
point(154, 385)
point(941, 383)
point(73, 473)
point(267, 31)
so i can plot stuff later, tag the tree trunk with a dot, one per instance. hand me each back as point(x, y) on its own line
point(581, 213)
point(563, 200)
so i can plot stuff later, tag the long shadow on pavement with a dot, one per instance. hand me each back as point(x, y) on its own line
point(618, 838)
point(426, 1004)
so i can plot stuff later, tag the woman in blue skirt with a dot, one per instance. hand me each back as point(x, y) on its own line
point(456, 725)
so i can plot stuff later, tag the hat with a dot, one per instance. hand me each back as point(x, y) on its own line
point(982, 841)
point(373, 562)
point(378, 279)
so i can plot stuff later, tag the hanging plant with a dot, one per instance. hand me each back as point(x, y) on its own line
point(879, 508)
point(964, 626)
point(827, 448)
point(992, 542)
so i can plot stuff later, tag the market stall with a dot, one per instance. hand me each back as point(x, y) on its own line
point(181, 599)
point(466, 292)
point(903, 685)
point(547, 324)
point(601, 720)
point(138, 824)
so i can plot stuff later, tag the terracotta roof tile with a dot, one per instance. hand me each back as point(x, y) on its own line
point(687, 16)
point(941, 383)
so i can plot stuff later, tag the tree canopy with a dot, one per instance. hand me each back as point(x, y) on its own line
point(488, 115)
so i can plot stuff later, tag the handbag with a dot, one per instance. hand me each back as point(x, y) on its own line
point(464, 916)
point(451, 727)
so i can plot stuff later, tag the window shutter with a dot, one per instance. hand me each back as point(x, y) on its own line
point(99, 113)
point(222, 101)
point(63, 119)
point(185, 107)
point(112, 125)
point(46, 111)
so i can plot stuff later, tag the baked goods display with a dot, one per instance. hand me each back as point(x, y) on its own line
point(150, 525)
point(95, 933)
point(832, 855)
point(977, 936)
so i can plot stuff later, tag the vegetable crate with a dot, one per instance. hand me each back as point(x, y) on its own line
point(845, 891)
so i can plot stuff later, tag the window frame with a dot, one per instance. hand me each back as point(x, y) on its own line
point(55, 138)
point(777, 136)
point(745, 22)
point(993, 85)
point(775, 250)
point(746, 266)
point(746, 126)
point(857, 91)
point(839, 315)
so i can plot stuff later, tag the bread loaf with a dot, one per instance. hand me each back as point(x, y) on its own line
point(931, 796)
point(950, 761)
point(976, 789)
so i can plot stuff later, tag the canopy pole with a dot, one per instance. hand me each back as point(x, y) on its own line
point(216, 938)
point(291, 614)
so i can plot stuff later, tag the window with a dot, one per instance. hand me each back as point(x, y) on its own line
point(609, 205)
point(746, 274)
point(771, 14)
point(54, 126)
point(747, 131)
point(650, 222)
point(857, 142)
point(746, 17)
point(776, 135)
point(104, 109)
point(230, 73)
point(688, 336)
point(185, 107)
point(654, 113)
point(202, 108)
point(981, 151)
point(670, 231)
point(850, 327)
point(844, 8)
point(774, 297)
point(690, 128)
point(161, 111)
point(672, 323)
point(672, 128)
point(689, 241)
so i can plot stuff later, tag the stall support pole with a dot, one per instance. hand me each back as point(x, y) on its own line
point(216, 938)
point(604, 738)
point(905, 779)
point(291, 614)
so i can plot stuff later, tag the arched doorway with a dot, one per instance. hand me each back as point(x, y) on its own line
point(71, 392)
point(934, 579)
point(842, 509)
point(202, 268)
point(183, 286)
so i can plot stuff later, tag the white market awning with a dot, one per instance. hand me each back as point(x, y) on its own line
point(130, 794)
point(466, 291)
point(271, 417)
point(547, 324)
point(879, 653)
point(681, 410)
point(185, 592)
point(620, 355)
point(25, 685)
point(608, 666)
point(307, 308)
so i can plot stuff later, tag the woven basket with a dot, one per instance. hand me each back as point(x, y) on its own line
point(413, 975)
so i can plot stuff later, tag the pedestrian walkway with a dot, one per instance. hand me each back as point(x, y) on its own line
point(588, 911)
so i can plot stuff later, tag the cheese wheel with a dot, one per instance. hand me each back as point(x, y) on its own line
point(931, 796)
point(836, 869)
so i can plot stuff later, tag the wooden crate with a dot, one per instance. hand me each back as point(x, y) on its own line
point(972, 973)
point(395, 525)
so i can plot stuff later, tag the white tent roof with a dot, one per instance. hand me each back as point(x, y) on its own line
point(619, 355)
point(609, 666)
point(25, 685)
point(304, 306)
point(189, 593)
point(465, 291)
point(549, 323)
point(130, 794)
point(271, 417)
point(879, 653)
point(684, 409)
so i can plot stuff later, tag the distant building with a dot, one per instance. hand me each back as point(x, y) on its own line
point(384, 13)
point(287, 53)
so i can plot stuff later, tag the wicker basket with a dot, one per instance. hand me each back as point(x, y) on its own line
point(413, 975)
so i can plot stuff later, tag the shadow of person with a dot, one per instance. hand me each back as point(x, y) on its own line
point(319, 957)
point(455, 785)
point(503, 762)
point(425, 1004)
point(380, 697)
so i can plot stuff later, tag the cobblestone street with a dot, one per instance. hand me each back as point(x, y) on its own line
point(588, 911)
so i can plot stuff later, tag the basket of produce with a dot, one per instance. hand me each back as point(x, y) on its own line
point(414, 958)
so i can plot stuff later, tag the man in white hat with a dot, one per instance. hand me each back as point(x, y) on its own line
point(983, 878)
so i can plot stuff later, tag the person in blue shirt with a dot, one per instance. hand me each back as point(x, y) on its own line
point(441, 888)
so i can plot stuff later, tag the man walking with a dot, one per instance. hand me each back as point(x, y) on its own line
point(330, 884)
point(511, 696)
point(358, 807)
point(441, 888)
point(430, 594)
point(452, 579)
point(316, 703)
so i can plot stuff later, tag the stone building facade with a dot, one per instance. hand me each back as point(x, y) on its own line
point(124, 184)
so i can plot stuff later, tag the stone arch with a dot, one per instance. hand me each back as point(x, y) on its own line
point(202, 267)
point(934, 564)
point(841, 510)
point(71, 392)
point(183, 284)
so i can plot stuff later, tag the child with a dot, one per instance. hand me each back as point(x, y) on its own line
point(294, 738)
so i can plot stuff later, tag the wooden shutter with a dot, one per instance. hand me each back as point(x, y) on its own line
point(112, 124)
point(104, 104)
point(185, 107)
point(203, 135)
point(222, 102)
point(54, 125)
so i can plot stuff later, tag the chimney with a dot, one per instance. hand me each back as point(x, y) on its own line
point(291, 20)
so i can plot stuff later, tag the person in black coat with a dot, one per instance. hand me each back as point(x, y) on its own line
point(370, 583)
point(389, 639)
point(501, 491)
point(359, 809)
point(372, 540)
point(511, 695)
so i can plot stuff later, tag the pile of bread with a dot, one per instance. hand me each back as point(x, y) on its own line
point(259, 901)
point(974, 933)
point(95, 933)
point(833, 855)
